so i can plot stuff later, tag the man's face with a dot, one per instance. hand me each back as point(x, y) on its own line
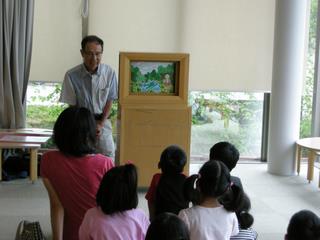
point(92, 56)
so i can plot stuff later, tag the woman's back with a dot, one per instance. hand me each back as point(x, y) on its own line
point(76, 181)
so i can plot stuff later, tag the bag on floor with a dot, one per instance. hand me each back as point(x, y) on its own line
point(29, 231)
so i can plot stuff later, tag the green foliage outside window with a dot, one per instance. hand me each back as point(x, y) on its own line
point(239, 113)
point(307, 95)
point(45, 115)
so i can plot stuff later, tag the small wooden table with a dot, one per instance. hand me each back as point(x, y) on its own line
point(33, 143)
point(27, 132)
point(313, 146)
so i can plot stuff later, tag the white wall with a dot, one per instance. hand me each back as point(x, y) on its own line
point(56, 39)
point(140, 26)
point(230, 42)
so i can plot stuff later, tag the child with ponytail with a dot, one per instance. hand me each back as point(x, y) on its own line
point(245, 220)
point(215, 201)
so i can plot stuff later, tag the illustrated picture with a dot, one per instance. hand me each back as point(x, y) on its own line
point(153, 77)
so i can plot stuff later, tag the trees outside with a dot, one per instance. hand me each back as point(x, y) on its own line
point(43, 107)
point(306, 101)
point(226, 116)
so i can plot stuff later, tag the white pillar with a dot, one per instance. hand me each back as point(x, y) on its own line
point(287, 78)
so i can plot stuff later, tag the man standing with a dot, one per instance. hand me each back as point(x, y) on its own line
point(93, 85)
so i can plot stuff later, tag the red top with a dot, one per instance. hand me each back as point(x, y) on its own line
point(153, 187)
point(76, 182)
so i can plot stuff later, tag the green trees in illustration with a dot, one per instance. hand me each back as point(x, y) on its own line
point(138, 78)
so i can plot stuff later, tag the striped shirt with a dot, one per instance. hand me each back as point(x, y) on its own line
point(245, 234)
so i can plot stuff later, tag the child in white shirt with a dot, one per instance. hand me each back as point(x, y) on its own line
point(213, 215)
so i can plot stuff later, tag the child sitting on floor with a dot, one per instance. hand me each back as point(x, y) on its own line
point(116, 216)
point(245, 220)
point(165, 193)
point(209, 219)
point(167, 226)
point(303, 225)
point(229, 155)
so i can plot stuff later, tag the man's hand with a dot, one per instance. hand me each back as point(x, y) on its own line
point(101, 118)
point(99, 128)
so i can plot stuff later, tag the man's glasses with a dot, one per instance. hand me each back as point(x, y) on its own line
point(92, 54)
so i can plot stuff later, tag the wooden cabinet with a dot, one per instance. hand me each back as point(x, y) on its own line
point(145, 132)
point(149, 122)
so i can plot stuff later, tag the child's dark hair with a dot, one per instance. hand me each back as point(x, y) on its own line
point(167, 226)
point(118, 190)
point(172, 160)
point(74, 132)
point(303, 225)
point(190, 191)
point(214, 181)
point(245, 219)
point(226, 153)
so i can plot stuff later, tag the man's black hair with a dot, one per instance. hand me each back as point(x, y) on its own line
point(89, 39)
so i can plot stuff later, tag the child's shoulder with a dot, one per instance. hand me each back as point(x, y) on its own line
point(94, 212)
point(137, 213)
point(156, 177)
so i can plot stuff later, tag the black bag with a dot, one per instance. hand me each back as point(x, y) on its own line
point(29, 231)
point(15, 166)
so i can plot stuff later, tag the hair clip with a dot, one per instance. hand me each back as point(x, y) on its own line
point(195, 184)
point(196, 181)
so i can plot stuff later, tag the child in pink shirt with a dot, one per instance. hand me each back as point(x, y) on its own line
point(116, 216)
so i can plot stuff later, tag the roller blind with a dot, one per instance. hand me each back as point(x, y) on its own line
point(230, 42)
point(140, 26)
point(56, 39)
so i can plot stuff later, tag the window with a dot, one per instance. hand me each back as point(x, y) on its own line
point(307, 95)
point(43, 107)
point(226, 116)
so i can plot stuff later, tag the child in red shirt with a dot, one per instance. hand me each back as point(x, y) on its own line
point(165, 193)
